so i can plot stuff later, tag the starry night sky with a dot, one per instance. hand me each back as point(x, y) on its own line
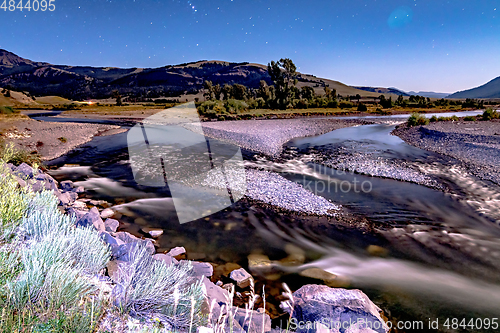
point(415, 45)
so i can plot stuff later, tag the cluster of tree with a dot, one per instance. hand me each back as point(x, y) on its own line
point(282, 95)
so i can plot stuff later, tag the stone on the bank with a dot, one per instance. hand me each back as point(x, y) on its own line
point(338, 306)
point(155, 233)
point(108, 212)
point(25, 171)
point(261, 322)
point(167, 259)
point(123, 251)
point(78, 204)
point(64, 198)
point(78, 214)
point(109, 239)
point(79, 189)
point(126, 237)
point(215, 297)
point(92, 218)
point(111, 225)
point(202, 268)
point(66, 185)
point(241, 277)
point(178, 252)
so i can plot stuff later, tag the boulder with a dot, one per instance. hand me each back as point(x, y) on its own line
point(110, 225)
point(91, 218)
point(341, 309)
point(215, 297)
point(241, 277)
point(202, 269)
point(110, 240)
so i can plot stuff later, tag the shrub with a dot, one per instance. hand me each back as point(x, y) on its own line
point(489, 114)
point(7, 110)
point(470, 118)
point(235, 106)
point(62, 139)
point(362, 107)
point(416, 119)
point(433, 119)
point(345, 105)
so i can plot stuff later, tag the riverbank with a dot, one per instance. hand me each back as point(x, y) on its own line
point(51, 140)
point(475, 144)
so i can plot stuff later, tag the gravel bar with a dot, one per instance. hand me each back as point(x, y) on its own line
point(269, 136)
point(273, 189)
point(476, 144)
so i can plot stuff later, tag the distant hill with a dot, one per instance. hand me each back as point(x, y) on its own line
point(83, 82)
point(488, 90)
point(383, 90)
point(430, 94)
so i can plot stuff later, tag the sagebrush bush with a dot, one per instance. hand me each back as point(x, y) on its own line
point(150, 288)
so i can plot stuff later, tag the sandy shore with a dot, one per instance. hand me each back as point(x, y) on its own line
point(476, 144)
point(51, 139)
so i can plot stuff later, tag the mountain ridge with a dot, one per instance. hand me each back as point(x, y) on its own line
point(85, 82)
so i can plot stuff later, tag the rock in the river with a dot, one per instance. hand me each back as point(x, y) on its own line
point(341, 309)
point(91, 218)
point(108, 212)
point(241, 277)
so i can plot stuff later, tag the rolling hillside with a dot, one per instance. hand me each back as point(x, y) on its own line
point(488, 90)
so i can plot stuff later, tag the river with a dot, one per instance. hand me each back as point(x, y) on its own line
point(432, 249)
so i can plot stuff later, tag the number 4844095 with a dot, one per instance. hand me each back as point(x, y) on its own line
point(29, 5)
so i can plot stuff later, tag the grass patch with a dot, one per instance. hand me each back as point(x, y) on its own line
point(62, 139)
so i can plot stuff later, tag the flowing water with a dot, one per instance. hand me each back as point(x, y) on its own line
point(437, 246)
